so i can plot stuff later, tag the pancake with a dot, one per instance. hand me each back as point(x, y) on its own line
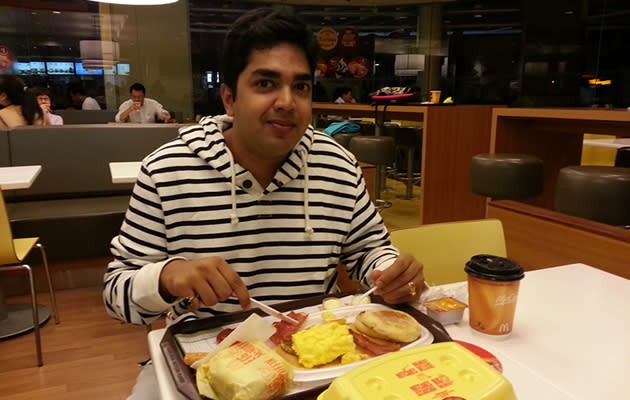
point(390, 325)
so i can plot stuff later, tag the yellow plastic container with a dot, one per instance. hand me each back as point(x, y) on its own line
point(436, 371)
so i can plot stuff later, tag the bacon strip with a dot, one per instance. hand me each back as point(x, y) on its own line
point(364, 342)
point(285, 329)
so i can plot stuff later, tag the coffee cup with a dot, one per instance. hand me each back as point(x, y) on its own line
point(493, 284)
point(435, 96)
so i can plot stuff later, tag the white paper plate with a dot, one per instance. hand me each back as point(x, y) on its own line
point(348, 313)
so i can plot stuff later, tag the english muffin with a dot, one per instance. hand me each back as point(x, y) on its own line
point(392, 325)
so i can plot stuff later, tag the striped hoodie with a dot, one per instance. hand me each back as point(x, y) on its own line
point(192, 200)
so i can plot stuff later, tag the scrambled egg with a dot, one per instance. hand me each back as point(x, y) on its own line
point(321, 344)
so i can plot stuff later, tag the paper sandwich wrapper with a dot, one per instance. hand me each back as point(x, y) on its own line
point(245, 371)
point(252, 329)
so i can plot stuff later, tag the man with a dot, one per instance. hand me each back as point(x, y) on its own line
point(43, 99)
point(252, 203)
point(80, 98)
point(141, 109)
point(345, 96)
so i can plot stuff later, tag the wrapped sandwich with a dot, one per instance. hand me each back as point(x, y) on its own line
point(244, 371)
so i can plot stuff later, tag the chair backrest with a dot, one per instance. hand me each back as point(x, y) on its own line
point(445, 248)
point(7, 250)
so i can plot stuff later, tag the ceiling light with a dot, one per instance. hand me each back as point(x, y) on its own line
point(137, 2)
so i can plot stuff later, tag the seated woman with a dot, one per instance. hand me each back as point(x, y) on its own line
point(43, 99)
point(19, 108)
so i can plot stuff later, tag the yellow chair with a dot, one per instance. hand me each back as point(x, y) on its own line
point(445, 248)
point(12, 255)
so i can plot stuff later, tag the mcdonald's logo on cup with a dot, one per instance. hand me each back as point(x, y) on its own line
point(493, 284)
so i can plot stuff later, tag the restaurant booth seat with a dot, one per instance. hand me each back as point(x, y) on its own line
point(379, 151)
point(598, 193)
point(80, 117)
point(73, 206)
point(506, 176)
point(4, 148)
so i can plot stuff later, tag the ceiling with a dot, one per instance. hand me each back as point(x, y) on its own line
point(65, 21)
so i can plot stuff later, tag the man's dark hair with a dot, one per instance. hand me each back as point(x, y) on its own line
point(261, 29)
point(13, 87)
point(137, 87)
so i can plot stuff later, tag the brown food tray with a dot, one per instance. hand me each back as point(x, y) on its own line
point(184, 376)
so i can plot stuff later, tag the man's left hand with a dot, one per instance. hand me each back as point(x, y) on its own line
point(402, 282)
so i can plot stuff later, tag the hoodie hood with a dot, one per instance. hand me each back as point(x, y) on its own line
point(206, 140)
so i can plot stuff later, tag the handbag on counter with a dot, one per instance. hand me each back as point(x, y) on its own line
point(396, 95)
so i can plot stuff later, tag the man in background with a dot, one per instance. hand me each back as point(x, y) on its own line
point(140, 108)
point(81, 100)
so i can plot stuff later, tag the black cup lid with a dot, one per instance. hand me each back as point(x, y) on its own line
point(494, 268)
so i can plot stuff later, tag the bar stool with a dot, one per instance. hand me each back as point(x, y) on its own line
point(408, 139)
point(623, 157)
point(597, 193)
point(367, 128)
point(377, 150)
point(344, 139)
point(506, 176)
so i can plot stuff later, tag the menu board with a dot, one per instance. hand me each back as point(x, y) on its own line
point(123, 69)
point(29, 68)
point(60, 68)
point(110, 71)
point(78, 67)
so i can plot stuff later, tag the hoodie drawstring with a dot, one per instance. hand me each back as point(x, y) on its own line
point(233, 216)
point(307, 217)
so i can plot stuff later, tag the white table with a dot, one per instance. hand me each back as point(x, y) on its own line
point(570, 338)
point(21, 177)
point(18, 318)
point(124, 172)
point(612, 143)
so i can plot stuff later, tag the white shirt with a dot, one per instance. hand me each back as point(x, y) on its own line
point(339, 101)
point(90, 104)
point(148, 113)
point(55, 119)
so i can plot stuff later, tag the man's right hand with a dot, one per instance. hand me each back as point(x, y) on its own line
point(135, 106)
point(207, 280)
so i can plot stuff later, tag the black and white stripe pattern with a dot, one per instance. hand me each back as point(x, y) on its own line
point(181, 207)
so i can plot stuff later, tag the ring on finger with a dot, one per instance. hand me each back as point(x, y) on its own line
point(412, 288)
point(188, 301)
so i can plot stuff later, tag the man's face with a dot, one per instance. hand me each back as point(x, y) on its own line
point(137, 96)
point(347, 97)
point(43, 99)
point(272, 107)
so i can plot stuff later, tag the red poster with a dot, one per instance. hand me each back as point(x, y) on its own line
point(6, 58)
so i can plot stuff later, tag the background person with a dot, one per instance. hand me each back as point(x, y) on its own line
point(140, 108)
point(81, 100)
point(43, 99)
point(18, 108)
point(344, 95)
